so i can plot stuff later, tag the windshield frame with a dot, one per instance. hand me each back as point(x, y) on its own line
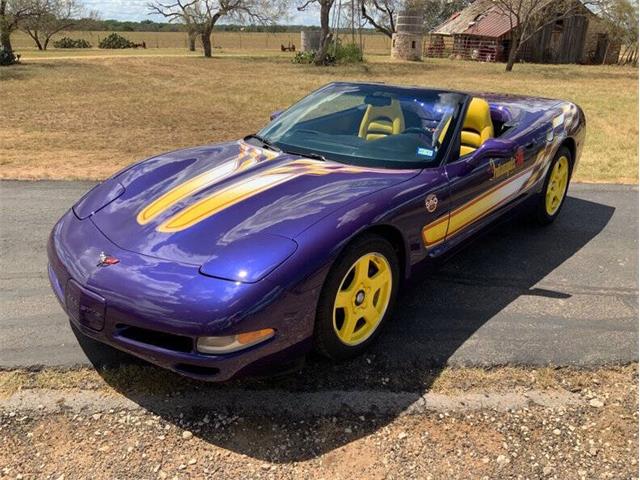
point(442, 152)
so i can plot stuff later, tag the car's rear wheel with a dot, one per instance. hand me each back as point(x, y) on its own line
point(357, 298)
point(556, 184)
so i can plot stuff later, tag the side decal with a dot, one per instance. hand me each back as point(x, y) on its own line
point(474, 210)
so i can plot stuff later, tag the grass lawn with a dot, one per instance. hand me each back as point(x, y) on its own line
point(84, 115)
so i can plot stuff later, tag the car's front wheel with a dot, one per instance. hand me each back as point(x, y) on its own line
point(357, 298)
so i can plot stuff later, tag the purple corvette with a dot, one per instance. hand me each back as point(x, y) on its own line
point(236, 257)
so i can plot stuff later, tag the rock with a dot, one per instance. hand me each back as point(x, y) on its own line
point(595, 403)
point(192, 461)
point(546, 471)
point(557, 431)
point(347, 430)
point(402, 435)
point(502, 460)
point(186, 435)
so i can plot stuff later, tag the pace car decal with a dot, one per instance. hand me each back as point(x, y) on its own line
point(511, 187)
point(475, 209)
point(248, 156)
point(245, 188)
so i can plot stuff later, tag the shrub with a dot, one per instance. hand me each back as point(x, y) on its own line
point(116, 41)
point(349, 53)
point(304, 57)
point(337, 53)
point(7, 58)
point(66, 42)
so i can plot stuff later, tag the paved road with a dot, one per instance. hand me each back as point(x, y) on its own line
point(563, 295)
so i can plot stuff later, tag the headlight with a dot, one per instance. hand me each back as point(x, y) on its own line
point(250, 259)
point(233, 343)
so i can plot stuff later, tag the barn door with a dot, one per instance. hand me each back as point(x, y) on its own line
point(573, 38)
point(601, 49)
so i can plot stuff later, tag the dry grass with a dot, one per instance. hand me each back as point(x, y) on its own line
point(373, 43)
point(84, 118)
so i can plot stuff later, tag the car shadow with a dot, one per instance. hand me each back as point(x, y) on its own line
point(441, 309)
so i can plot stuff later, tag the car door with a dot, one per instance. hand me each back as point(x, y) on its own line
point(480, 185)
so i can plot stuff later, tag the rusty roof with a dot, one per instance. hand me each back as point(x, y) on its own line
point(482, 18)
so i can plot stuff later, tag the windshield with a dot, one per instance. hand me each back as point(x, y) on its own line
point(373, 125)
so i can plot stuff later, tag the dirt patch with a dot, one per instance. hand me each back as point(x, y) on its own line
point(592, 436)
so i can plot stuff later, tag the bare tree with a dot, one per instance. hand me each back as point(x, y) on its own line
point(528, 17)
point(53, 16)
point(12, 14)
point(192, 36)
point(202, 15)
point(380, 14)
point(621, 17)
point(325, 29)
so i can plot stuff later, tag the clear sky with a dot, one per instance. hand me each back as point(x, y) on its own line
point(137, 10)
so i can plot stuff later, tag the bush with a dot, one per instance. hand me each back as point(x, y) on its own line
point(7, 58)
point(337, 53)
point(349, 53)
point(116, 41)
point(304, 57)
point(66, 42)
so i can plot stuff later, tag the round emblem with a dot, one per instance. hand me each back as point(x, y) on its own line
point(431, 202)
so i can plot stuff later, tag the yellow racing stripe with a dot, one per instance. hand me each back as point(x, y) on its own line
point(247, 157)
point(239, 191)
point(225, 198)
point(190, 187)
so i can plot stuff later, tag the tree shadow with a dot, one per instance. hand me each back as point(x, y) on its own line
point(438, 311)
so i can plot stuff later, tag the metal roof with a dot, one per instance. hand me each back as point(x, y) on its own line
point(481, 18)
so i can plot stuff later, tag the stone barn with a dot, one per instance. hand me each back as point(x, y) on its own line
point(482, 32)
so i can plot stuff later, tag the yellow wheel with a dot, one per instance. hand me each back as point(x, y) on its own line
point(550, 200)
point(362, 299)
point(358, 294)
point(557, 185)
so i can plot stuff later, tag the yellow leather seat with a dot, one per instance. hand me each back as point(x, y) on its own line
point(381, 121)
point(477, 127)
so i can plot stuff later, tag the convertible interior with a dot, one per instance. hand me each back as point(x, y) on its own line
point(381, 121)
point(387, 127)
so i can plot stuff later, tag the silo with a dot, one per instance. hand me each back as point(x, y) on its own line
point(406, 43)
point(310, 40)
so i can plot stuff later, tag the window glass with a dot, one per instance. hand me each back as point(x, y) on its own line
point(366, 124)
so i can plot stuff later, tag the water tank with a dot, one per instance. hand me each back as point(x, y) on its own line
point(310, 40)
point(406, 43)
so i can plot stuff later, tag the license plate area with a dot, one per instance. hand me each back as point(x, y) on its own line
point(85, 307)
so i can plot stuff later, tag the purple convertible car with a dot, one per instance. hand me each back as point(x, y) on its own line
point(225, 259)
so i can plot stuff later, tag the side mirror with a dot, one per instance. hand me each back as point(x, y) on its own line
point(497, 147)
point(276, 114)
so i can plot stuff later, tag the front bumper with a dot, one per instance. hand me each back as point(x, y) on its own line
point(155, 309)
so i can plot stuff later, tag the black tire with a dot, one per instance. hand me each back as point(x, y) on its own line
point(326, 339)
point(540, 212)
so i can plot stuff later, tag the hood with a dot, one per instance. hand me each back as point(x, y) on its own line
point(195, 204)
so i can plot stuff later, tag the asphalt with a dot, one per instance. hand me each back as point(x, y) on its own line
point(562, 295)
